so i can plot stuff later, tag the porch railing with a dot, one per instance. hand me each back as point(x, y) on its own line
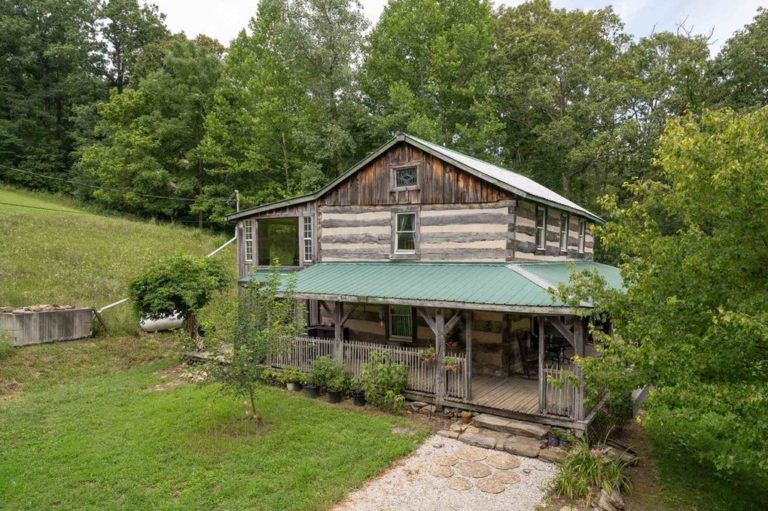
point(421, 373)
point(561, 389)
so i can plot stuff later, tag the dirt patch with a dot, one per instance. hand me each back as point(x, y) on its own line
point(178, 375)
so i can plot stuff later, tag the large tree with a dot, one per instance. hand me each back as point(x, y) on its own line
point(49, 66)
point(693, 321)
point(741, 68)
point(427, 71)
point(150, 135)
point(286, 113)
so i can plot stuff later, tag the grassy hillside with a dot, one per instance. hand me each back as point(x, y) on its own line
point(72, 256)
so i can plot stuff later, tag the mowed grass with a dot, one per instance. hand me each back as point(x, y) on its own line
point(82, 258)
point(113, 442)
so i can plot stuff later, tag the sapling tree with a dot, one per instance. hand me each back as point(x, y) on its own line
point(179, 284)
point(268, 319)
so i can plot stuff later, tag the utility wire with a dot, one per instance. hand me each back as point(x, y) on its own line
point(97, 187)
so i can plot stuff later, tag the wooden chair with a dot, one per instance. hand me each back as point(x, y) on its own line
point(528, 357)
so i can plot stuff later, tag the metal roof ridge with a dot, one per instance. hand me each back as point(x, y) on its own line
point(530, 276)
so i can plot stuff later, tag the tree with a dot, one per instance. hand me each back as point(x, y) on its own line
point(180, 285)
point(49, 66)
point(286, 113)
point(427, 71)
point(127, 28)
point(560, 85)
point(741, 68)
point(268, 320)
point(692, 322)
point(150, 134)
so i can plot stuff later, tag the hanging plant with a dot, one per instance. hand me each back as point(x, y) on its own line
point(451, 364)
point(428, 354)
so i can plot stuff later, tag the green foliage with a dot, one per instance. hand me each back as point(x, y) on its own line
point(293, 375)
point(384, 381)
point(268, 321)
point(178, 284)
point(326, 373)
point(6, 347)
point(586, 471)
point(692, 322)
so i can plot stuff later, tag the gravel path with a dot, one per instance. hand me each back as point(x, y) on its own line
point(445, 474)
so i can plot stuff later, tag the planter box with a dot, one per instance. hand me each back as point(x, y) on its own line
point(39, 327)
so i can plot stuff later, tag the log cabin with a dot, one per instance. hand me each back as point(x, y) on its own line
point(421, 246)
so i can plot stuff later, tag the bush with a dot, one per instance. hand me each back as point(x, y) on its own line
point(587, 471)
point(384, 381)
point(326, 373)
point(292, 375)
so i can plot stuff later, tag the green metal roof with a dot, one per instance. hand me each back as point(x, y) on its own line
point(500, 285)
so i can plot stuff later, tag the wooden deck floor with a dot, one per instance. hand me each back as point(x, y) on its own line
point(506, 393)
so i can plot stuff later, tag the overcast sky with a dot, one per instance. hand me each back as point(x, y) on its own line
point(223, 19)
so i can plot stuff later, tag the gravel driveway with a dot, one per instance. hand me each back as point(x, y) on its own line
point(444, 474)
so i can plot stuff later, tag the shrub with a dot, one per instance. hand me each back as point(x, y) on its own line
point(384, 381)
point(587, 471)
point(324, 372)
point(292, 375)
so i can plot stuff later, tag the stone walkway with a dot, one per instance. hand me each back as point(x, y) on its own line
point(445, 474)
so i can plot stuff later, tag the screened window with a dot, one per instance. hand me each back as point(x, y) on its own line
point(406, 177)
point(279, 240)
point(248, 239)
point(405, 233)
point(563, 232)
point(308, 239)
point(582, 235)
point(400, 322)
point(541, 227)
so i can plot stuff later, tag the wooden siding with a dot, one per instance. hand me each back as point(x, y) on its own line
point(525, 235)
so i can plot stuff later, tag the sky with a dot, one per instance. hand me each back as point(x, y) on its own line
point(223, 19)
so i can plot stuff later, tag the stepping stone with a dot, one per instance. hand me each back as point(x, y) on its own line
point(523, 446)
point(511, 426)
point(471, 453)
point(441, 471)
point(503, 461)
point(506, 477)
point(459, 484)
point(484, 441)
point(473, 469)
point(446, 460)
point(448, 434)
point(490, 486)
point(553, 454)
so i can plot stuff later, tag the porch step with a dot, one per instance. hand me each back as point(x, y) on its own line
point(520, 445)
point(511, 426)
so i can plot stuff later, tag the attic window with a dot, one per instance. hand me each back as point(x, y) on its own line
point(406, 177)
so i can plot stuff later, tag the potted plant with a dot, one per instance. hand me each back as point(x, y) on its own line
point(451, 364)
point(294, 379)
point(322, 372)
point(428, 354)
point(357, 392)
point(567, 440)
point(336, 387)
point(466, 417)
point(553, 438)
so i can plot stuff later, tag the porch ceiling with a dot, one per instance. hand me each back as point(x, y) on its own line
point(461, 285)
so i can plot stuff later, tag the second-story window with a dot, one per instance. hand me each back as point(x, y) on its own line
point(405, 233)
point(563, 232)
point(308, 239)
point(405, 177)
point(248, 239)
point(541, 227)
point(582, 235)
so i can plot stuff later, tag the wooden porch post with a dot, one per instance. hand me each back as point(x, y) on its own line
point(468, 354)
point(338, 331)
point(578, 341)
point(542, 378)
point(440, 356)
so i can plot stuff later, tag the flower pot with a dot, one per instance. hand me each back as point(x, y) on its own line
point(334, 396)
point(312, 391)
point(293, 386)
point(553, 441)
point(358, 398)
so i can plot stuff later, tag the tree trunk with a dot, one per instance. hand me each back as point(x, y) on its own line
point(192, 331)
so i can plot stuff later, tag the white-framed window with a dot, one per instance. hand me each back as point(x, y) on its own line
point(400, 322)
point(582, 235)
point(248, 239)
point(564, 232)
point(541, 227)
point(406, 177)
point(405, 233)
point(307, 237)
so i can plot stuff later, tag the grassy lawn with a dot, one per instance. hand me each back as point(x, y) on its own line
point(111, 442)
point(82, 258)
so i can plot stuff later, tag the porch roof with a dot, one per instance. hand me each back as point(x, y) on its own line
point(502, 286)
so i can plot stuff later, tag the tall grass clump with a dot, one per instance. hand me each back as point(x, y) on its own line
point(587, 471)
